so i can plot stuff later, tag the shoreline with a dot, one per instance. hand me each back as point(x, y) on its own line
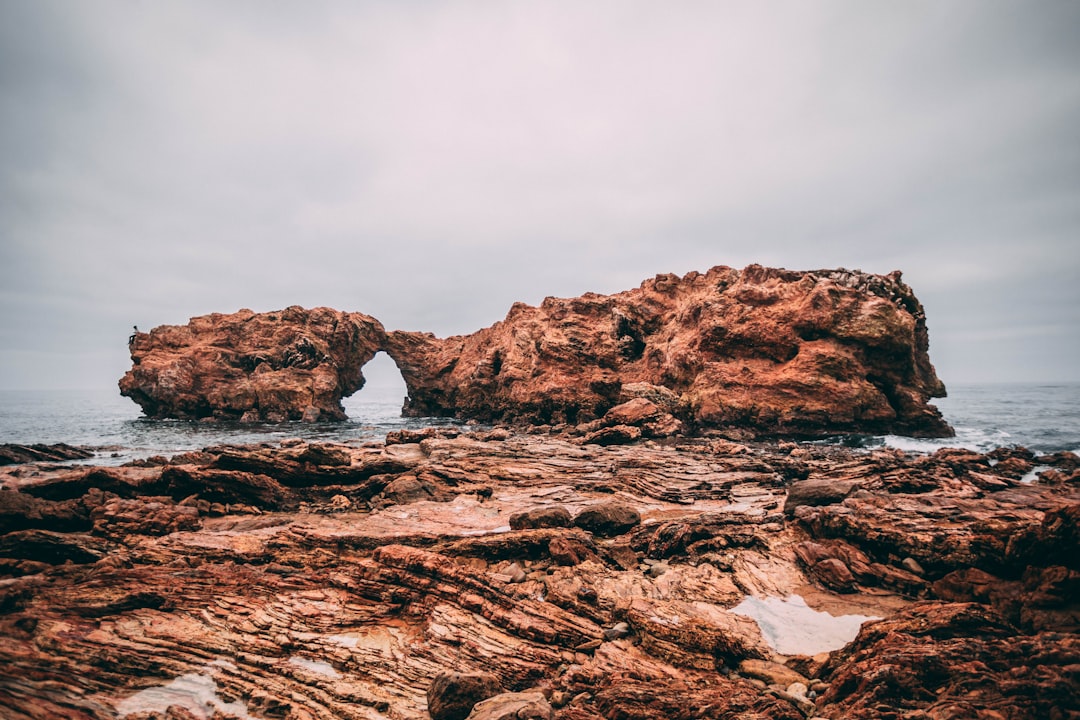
point(328, 579)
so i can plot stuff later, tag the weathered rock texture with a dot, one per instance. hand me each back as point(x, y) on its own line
point(285, 582)
point(295, 364)
point(774, 350)
point(761, 350)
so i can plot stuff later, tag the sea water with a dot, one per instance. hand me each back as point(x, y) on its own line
point(1041, 417)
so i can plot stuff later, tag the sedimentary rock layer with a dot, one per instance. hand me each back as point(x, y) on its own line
point(443, 573)
point(761, 350)
point(295, 364)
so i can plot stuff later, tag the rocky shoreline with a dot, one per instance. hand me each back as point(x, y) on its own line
point(543, 574)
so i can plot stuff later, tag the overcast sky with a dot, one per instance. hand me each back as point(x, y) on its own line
point(432, 163)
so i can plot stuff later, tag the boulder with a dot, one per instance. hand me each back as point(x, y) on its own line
point(452, 695)
point(608, 519)
point(542, 517)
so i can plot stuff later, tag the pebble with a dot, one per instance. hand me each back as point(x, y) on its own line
point(657, 570)
point(797, 688)
point(912, 566)
point(516, 573)
point(619, 630)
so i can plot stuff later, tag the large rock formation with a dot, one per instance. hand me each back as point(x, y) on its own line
point(294, 364)
point(769, 351)
point(773, 350)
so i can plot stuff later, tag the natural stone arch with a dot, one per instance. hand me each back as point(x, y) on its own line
point(769, 351)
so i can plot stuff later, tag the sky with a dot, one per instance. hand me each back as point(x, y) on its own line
point(431, 163)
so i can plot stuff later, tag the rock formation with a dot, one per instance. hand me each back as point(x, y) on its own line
point(774, 350)
point(761, 350)
point(295, 364)
point(539, 576)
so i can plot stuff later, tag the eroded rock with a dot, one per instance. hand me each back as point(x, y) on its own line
point(293, 364)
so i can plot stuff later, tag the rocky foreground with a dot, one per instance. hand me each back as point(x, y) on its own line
point(497, 575)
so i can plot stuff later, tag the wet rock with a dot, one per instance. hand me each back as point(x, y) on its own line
point(366, 601)
point(608, 519)
point(12, 454)
point(452, 695)
point(409, 489)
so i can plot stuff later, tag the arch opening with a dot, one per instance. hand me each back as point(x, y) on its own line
point(383, 394)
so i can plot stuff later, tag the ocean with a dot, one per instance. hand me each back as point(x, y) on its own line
point(1042, 417)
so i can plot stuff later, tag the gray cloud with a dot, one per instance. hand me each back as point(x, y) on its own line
point(431, 164)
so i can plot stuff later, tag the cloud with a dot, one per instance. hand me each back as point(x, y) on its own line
point(432, 163)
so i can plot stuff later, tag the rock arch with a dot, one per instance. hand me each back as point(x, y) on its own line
point(773, 351)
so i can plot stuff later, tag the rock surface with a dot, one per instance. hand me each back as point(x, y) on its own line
point(756, 350)
point(284, 582)
point(776, 351)
point(294, 364)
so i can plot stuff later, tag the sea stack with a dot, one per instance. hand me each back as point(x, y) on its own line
point(764, 351)
point(293, 364)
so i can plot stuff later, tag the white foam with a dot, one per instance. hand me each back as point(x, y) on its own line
point(791, 627)
point(194, 692)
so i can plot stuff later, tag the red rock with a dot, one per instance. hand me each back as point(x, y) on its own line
point(773, 350)
point(953, 660)
point(328, 605)
point(293, 364)
point(543, 517)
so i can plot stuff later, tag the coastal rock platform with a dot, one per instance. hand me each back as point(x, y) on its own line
point(759, 350)
point(489, 573)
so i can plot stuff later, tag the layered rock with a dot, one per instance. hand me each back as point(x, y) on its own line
point(771, 350)
point(286, 582)
point(295, 364)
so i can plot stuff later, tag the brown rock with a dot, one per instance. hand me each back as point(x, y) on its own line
point(774, 350)
point(608, 519)
point(817, 491)
point(293, 364)
point(570, 551)
point(514, 706)
point(452, 695)
point(543, 517)
point(614, 435)
point(12, 454)
point(772, 673)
